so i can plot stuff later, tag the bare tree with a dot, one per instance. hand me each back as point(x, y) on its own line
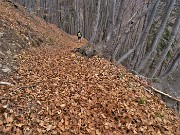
point(96, 22)
point(143, 37)
point(157, 36)
point(164, 53)
point(173, 64)
point(153, 6)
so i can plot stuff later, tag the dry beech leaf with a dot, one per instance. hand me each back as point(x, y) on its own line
point(19, 125)
point(41, 124)
point(39, 130)
point(9, 119)
point(39, 102)
point(49, 127)
point(73, 55)
point(7, 129)
point(5, 115)
point(103, 116)
point(5, 106)
point(20, 118)
point(98, 132)
point(62, 105)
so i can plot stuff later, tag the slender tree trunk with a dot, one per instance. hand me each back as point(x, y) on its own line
point(169, 45)
point(112, 17)
point(173, 64)
point(96, 22)
point(144, 35)
point(137, 17)
point(116, 26)
point(157, 36)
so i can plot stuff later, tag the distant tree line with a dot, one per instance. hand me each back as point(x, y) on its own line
point(143, 35)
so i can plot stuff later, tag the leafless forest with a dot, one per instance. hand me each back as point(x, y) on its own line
point(143, 35)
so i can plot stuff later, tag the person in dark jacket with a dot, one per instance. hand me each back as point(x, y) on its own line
point(79, 35)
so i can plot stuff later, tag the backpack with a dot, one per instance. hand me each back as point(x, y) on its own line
point(79, 34)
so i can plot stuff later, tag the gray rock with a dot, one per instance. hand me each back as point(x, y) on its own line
point(1, 53)
point(15, 67)
point(6, 70)
point(1, 34)
point(9, 52)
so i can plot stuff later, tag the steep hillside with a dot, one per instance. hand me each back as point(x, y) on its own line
point(20, 30)
point(56, 91)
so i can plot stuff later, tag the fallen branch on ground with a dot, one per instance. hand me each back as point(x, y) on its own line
point(6, 83)
point(158, 91)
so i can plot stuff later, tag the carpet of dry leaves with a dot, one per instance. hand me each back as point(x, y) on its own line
point(59, 92)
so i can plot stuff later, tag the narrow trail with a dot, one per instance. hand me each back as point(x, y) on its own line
point(57, 91)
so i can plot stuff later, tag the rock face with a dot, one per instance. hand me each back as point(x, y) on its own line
point(19, 30)
point(9, 47)
point(87, 50)
point(15, 35)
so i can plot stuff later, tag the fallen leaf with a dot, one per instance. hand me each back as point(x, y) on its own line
point(5, 106)
point(49, 127)
point(42, 124)
point(62, 105)
point(98, 132)
point(19, 125)
point(9, 119)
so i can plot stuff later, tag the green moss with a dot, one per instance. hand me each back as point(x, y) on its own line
point(158, 114)
point(120, 76)
point(169, 55)
point(142, 100)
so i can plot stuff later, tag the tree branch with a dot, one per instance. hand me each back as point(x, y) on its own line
point(136, 17)
point(6, 83)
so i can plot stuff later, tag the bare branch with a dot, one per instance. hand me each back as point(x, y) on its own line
point(135, 17)
point(6, 83)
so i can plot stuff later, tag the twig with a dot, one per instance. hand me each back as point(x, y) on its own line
point(25, 87)
point(158, 91)
point(6, 83)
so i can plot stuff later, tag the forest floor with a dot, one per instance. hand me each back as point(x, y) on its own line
point(56, 91)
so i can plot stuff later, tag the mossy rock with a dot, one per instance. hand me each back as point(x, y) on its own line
point(87, 50)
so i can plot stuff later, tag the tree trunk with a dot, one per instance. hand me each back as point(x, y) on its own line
point(144, 34)
point(169, 45)
point(112, 17)
point(173, 65)
point(96, 22)
point(143, 37)
point(157, 36)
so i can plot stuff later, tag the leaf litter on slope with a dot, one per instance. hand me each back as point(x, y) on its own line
point(59, 92)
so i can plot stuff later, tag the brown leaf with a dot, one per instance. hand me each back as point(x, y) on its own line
point(19, 125)
point(42, 123)
point(9, 119)
point(49, 127)
point(98, 132)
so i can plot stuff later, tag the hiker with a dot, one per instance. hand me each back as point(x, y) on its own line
point(79, 36)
